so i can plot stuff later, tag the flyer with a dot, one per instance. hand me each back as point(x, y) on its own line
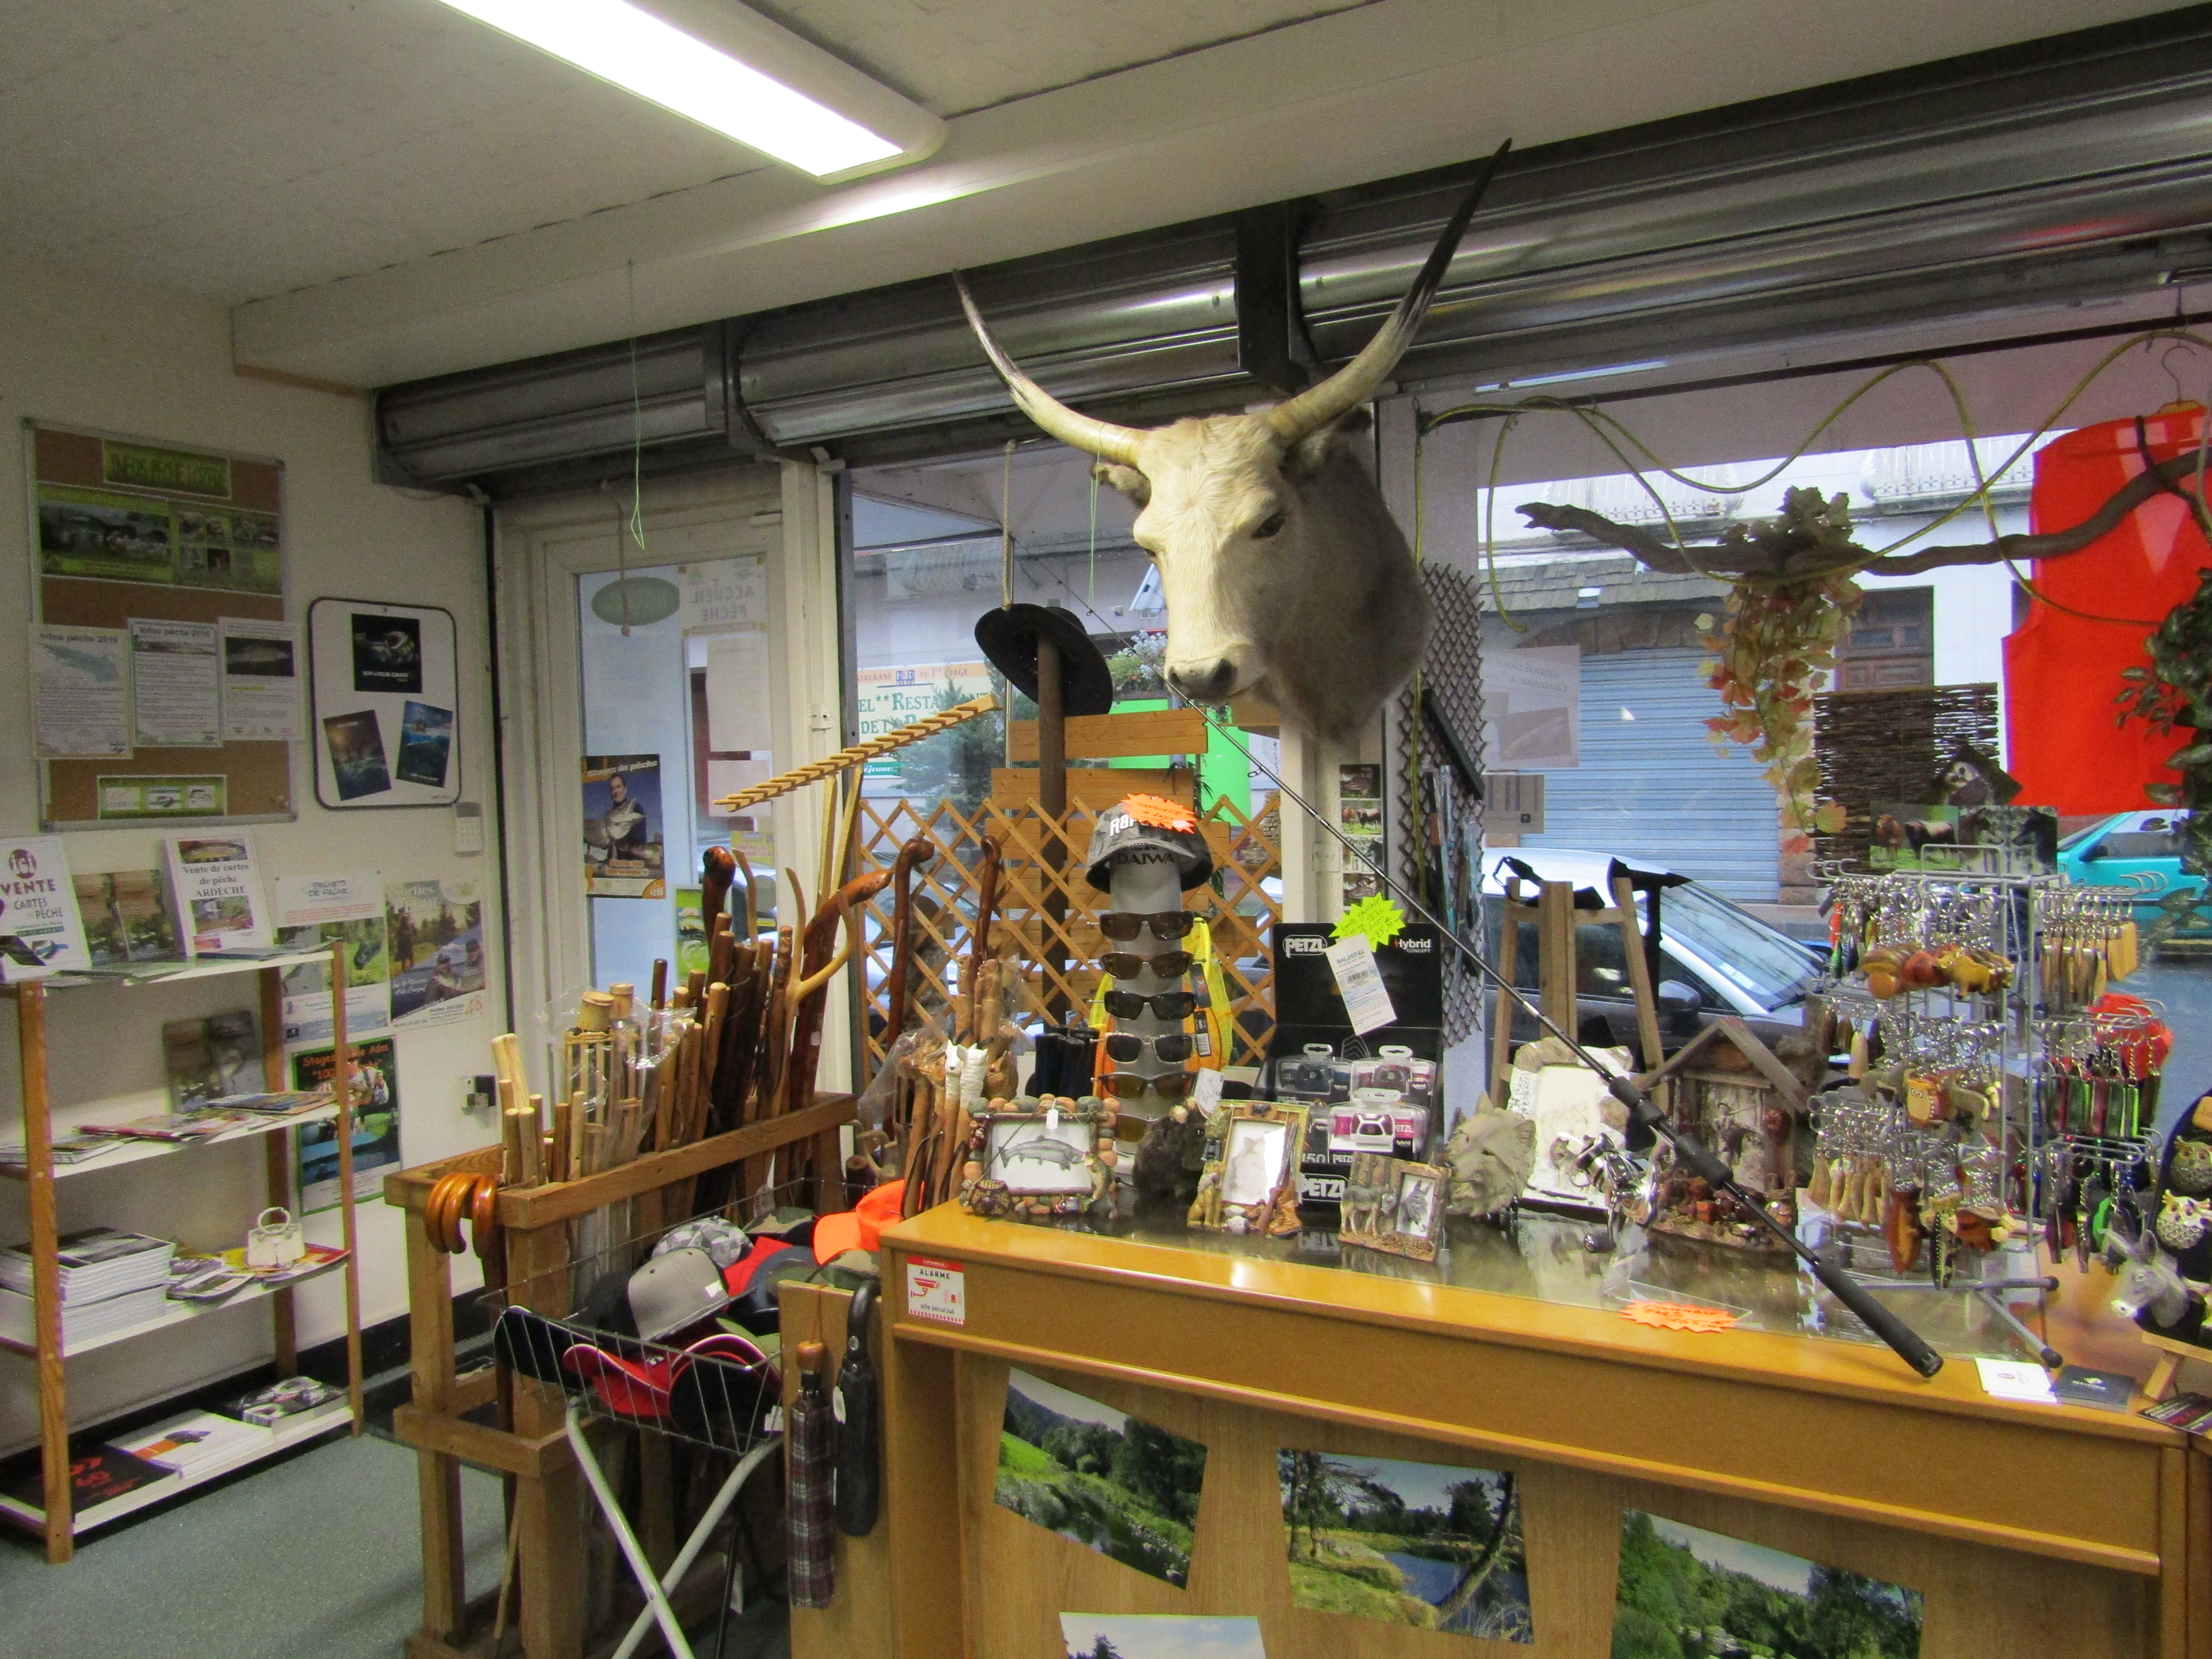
point(40, 932)
point(374, 1103)
point(218, 888)
point(436, 930)
point(260, 681)
point(82, 695)
point(176, 692)
point(624, 837)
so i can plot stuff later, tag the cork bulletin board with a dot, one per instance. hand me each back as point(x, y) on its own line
point(130, 529)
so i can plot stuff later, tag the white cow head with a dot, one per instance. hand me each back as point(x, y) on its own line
point(1284, 573)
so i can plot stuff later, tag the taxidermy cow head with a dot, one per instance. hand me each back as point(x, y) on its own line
point(1284, 573)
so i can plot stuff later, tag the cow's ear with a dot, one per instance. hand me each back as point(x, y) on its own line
point(1310, 453)
point(1127, 479)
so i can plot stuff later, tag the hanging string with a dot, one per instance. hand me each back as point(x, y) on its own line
point(636, 528)
point(1006, 530)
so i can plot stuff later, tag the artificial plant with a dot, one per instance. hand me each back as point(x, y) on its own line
point(2175, 694)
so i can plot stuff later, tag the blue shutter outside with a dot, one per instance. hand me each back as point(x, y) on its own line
point(1653, 787)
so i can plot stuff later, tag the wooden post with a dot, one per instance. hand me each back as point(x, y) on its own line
point(1052, 802)
point(276, 1153)
point(437, 1476)
point(342, 1092)
point(1555, 954)
point(46, 1273)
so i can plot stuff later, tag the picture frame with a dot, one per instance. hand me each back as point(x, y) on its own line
point(1250, 1181)
point(1395, 1206)
point(1070, 1170)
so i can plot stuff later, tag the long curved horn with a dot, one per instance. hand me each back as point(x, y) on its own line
point(1103, 439)
point(1352, 384)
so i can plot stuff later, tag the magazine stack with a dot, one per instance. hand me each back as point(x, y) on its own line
point(110, 1281)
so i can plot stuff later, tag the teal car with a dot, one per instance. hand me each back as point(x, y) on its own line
point(2141, 850)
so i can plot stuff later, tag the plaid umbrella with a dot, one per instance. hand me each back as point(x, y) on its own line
point(810, 1437)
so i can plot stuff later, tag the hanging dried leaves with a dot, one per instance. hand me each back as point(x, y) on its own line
point(1773, 647)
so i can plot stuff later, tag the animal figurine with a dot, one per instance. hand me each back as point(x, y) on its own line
point(2182, 1222)
point(1284, 573)
point(2150, 1283)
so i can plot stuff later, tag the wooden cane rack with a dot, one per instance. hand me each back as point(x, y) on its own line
point(546, 1492)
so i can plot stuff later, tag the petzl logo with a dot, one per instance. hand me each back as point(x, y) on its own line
point(1304, 944)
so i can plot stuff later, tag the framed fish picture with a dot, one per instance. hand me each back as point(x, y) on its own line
point(1034, 1158)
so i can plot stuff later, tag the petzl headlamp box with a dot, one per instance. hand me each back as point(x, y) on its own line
point(1381, 1090)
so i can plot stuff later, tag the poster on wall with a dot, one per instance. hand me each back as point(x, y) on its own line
point(625, 841)
point(79, 681)
point(315, 912)
point(375, 1106)
point(124, 511)
point(1531, 708)
point(386, 686)
point(434, 932)
point(260, 680)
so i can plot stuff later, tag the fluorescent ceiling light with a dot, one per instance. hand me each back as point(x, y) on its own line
point(730, 70)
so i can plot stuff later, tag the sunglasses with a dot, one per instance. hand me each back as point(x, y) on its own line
point(1128, 1045)
point(1164, 924)
point(1168, 1005)
point(1124, 1085)
point(1124, 964)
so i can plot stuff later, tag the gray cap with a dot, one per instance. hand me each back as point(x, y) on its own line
point(674, 1291)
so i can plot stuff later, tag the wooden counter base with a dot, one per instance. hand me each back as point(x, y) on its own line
point(2028, 1529)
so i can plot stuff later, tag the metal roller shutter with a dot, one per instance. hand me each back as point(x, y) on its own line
point(1652, 787)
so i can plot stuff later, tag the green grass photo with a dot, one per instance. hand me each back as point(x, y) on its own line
point(1684, 1593)
point(1105, 1480)
point(1433, 1546)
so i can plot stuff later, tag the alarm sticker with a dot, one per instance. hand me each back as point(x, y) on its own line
point(937, 1291)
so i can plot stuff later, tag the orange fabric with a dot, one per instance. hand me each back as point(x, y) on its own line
point(861, 1227)
point(2062, 672)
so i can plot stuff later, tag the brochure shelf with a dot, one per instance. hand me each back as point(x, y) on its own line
point(128, 1152)
point(178, 1313)
point(39, 1174)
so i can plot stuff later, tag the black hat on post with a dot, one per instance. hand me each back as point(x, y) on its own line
point(1009, 636)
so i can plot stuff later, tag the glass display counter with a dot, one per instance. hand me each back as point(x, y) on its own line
point(2023, 1527)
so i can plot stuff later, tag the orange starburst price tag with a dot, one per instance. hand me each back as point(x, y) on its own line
point(1679, 1316)
point(1160, 813)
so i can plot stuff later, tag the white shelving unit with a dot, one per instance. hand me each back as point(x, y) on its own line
point(55, 1519)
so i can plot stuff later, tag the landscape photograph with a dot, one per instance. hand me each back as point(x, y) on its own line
point(1434, 1546)
point(1122, 1487)
point(1684, 1593)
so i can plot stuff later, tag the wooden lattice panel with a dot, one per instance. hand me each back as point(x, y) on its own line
point(1246, 852)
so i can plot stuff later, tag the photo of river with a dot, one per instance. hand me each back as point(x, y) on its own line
point(1433, 1546)
point(1099, 1477)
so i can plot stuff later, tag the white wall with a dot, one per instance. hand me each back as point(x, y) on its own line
point(83, 350)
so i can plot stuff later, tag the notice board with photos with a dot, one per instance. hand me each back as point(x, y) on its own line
point(387, 684)
point(167, 682)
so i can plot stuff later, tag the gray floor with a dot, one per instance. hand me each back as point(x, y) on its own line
point(314, 1558)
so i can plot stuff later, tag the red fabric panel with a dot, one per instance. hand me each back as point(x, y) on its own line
point(2062, 672)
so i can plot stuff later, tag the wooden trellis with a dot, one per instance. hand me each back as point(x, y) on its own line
point(1242, 915)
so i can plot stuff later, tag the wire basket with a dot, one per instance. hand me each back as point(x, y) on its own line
point(703, 1384)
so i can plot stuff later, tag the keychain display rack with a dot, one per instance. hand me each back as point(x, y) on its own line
point(2002, 1090)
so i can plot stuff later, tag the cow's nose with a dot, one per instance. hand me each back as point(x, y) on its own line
point(1205, 682)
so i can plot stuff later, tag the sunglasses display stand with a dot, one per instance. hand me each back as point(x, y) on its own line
point(1146, 884)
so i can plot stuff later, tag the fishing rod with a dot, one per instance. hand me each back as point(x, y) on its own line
point(1903, 1340)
